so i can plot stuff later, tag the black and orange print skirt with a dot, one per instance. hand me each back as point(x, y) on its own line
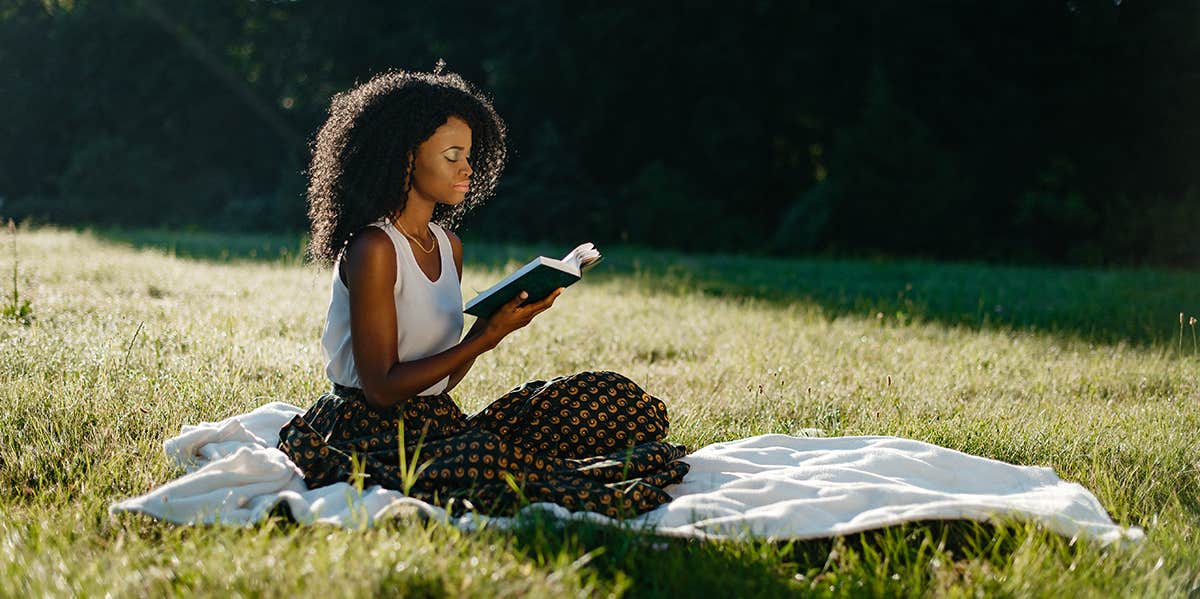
point(591, 441)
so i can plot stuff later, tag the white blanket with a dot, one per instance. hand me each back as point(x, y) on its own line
point(769, 486)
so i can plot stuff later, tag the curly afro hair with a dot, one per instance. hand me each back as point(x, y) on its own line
point(362, 161)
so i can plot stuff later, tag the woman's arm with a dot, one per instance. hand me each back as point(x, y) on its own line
point(461, 372)
point(476, 328)
point(370, 270)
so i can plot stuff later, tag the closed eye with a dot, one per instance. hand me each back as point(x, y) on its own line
point(454, 154)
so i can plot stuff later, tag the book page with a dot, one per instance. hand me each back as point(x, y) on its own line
point(583, 257)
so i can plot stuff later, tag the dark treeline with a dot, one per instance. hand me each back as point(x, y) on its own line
point(1056, 131)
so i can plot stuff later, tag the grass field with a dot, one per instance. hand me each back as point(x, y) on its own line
point(134, 334)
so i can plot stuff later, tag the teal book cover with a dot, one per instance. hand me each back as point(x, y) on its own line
point(538, 281)
point(539, 278)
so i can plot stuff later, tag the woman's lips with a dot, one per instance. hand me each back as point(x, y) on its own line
point(463, 187)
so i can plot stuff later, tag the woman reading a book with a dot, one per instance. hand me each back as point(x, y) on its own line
point(400, 158)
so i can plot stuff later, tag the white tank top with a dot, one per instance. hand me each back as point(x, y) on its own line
point(429, 317)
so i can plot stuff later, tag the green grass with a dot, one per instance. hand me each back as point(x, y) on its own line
point(135, 333)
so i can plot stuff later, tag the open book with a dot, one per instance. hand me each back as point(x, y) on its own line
point(540, 277)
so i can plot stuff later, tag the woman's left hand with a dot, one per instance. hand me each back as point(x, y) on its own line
point(512, 315)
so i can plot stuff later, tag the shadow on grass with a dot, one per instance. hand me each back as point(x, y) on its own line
point(212, 246)
point(1138, 307)
point(879, 561)
point(876, 561)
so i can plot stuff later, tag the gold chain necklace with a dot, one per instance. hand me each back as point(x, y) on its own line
point(432, 246)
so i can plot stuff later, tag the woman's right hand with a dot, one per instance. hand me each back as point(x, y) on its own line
point(512, 315)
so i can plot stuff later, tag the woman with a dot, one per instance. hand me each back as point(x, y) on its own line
point(398, 155)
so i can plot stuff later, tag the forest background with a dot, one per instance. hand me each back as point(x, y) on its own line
point(1021, 131)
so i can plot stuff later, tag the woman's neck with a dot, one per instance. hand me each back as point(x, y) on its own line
point(415, 218)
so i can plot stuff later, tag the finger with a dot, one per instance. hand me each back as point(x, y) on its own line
point(540, 309)
point(515, 302)
point(547, 301)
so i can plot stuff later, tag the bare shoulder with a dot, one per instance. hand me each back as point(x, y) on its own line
point(370, 255)
point(455, 242)
point(457, 249)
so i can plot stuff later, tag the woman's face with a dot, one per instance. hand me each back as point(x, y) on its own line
point(442, 171)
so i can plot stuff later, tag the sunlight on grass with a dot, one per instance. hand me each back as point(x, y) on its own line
point(130, 343)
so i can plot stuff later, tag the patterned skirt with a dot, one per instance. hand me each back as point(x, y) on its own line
point(592, 441)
